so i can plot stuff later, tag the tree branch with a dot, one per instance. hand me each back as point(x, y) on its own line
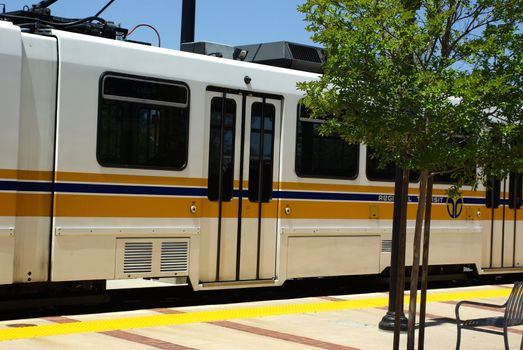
point(472, 26)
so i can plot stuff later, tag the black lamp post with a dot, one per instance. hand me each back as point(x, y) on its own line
point(397, 260)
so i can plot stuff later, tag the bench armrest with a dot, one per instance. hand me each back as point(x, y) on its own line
point(467, 302)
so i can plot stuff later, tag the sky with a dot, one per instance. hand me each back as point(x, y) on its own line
point(232, 22)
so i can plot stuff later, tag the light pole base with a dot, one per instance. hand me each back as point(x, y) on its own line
point(387, 322)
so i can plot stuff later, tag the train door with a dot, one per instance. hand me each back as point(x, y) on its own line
point(503, 198)
point(259, 210)
point(238, 235)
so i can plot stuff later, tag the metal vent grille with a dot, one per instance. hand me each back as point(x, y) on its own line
point(138, 257)
point(386, 246)
point(174, 257)
point(152, 257)
point(305, 53)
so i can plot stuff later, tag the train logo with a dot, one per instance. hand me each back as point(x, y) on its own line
point(454, 207)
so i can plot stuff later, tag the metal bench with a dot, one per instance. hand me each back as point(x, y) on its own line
point(513, 316)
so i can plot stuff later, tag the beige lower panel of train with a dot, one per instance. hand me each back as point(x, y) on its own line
point(316, 252)
point(7, 247)
point(122, 253)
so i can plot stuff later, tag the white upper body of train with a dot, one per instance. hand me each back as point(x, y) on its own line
point(120, 160)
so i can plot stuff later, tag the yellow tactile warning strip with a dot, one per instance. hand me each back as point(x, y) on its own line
point(227, 314)
point(131, 337)
point(264, 332)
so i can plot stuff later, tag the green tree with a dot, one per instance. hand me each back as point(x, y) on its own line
point(501, 62)
point(433, 86)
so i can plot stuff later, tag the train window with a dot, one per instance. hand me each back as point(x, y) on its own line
point(142, 123)
point(140, 90)
point(515, 189)
point(445, 178)
point(450, 178)
point(322, 156)
point(387, 173)
point(493, 193)
point(261, 152)
point(466, 174)
point(221, 149)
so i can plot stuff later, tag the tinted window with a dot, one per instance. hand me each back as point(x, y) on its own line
point(221, 149)
point(154, 92)
point(443, 178)
point(147, 131)
point(261, 152)
point(492, 193)
point(387, 173)
point(451, 177)
point(515, 189)
point(321, 156)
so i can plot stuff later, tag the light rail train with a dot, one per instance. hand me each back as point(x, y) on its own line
point(122, 161)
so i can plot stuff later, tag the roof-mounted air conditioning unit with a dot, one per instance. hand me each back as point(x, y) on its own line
point(287, 55)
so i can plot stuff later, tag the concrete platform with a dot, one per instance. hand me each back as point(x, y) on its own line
point(341, 322)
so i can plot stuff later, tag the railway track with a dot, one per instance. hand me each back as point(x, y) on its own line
point(177, 296)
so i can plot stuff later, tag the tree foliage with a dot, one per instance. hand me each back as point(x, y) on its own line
point(429, 85)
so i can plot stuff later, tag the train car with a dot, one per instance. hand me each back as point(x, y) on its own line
point(125, 161)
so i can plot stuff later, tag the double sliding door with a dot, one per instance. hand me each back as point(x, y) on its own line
point(239, 223)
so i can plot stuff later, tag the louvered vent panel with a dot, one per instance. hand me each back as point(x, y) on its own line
point(386, 246)
point(138, 257)
point(174, 257)
point(304, 53)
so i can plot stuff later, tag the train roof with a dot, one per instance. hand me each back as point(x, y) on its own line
point(38, 19)
point(187, 66)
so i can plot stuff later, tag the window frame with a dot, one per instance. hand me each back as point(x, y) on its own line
point(102, 97)
point(306, 176)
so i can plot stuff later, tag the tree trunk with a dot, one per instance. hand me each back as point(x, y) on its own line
point(416, 257)
point(425, 266)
